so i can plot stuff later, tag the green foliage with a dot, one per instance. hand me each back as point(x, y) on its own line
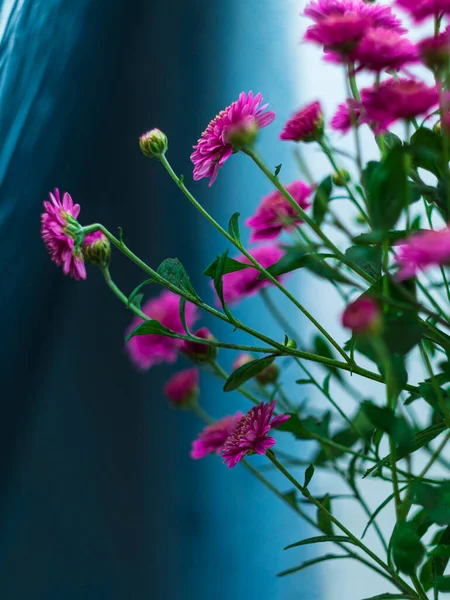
point(233, 227)
point(321, 199)
point(309, 473)
point(368, 258)
point(324, 522)
point(148, 327)
point(173, 271)
point(310, 563)
point(384, 418)
point(435, 501)
point(229, 266)
point(320, 539)
point(407, 549)
point(246, 372)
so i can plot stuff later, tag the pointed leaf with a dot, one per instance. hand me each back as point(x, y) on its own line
point(246, 372)
point(313, 561)
point(149, 327)
point(320, 539)
point(230, 266)
point(233, 227)
point(308, 475)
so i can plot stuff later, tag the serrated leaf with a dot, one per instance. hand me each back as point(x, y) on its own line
point(246, 372)
point(320, 539)
point(173, 271)
point(310, 563)
point(233, 227)
point(308, 475)
point(149, 327)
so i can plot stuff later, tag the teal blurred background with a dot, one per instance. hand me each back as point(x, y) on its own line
point(99, 498)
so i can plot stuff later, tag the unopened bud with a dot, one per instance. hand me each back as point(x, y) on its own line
point(242, 135)
point(97, 249)
point(363, 316)
point(182, 388)
point(341, 177)
point(196, 351)
point(153, 143)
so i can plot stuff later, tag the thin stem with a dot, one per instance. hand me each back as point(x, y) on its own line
point(224, 375)
point(179, 182)
point(307, 494)
point(434, 383)
point(420, 591)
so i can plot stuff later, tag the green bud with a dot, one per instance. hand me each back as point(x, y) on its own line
point(341, 177)
point(97, 249)
point(153, 143)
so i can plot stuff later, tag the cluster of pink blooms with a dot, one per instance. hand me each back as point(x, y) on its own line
point(237, 436)
point(423, 250)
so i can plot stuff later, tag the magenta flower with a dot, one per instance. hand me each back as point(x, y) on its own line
point(213, 437)
point(240, 284)
point(242, 120)
point(423, 250)
point(362, 316)
point(347, 113)
point(394, 100)
point(382, 48)
point(182, 388)
point(196, 351)
point(378, 15)
point(58, 228)
point(250, 434)
point(435, 50)
point(275, 213)
point(421, 9)
point(306, 125)
point(148, 350)
point(340, 33)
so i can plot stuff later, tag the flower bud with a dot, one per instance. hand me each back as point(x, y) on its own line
point(182, 388)
point(363, 316)
point(341, 177)
point(97, 249)
point(196, 351)
point(437, 127)
point(153, 143)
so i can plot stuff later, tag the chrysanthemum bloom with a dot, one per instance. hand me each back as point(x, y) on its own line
point(240, 284)
point(435, 51)
point(97, 249)
point(240, 123)
point(213, 437)
point(423, 250)
point(394, 100)
point(196, 351)
point(306, 125)
point(347, 115)
point(382, 49)
point(58, 229)
point(250, 434)
point(182, 388)
point(378, 15)
point(421, 9)
point(362, 316)
point(151, 349)
point(275, 213)
point(339, 33)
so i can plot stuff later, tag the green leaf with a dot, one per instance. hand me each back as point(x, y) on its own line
point(324, 522)
point(305, 429)
point(385, 419)
point(246, 372)
point(368, 258)
point(173, 271)
point(230, 266)
point(442, 551)
point(435, 500)
point(296, 257)
point(378, 510)
point(389, 597)
point(319, 539)
point(386, 184)
point(149, 327)
point(233, 227)
point(137, 300)
point(427, 151)
point(426, 577)
point(291, 497)
point(313, 561)
point(321, 199)
point(277, 170)
point(183, 315)
point(443, 583)
point(308, 475)
point(407, 549)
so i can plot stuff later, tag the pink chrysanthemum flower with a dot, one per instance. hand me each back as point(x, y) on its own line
point(340, 33)
point(362, 316)
point(378, 15)
point(250, 434)
point(240, 284)
point(213, 437)
point(394, 100)
point(382, 48)
point(182, 388)
point(423, 250)
point(346, 116)
point(421, 9)
point(275, 213)
point(306, 125)
point(241, 120)
point(58, 224)
point(148, 350)
point(435, 50)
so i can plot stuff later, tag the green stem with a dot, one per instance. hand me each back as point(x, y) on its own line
point(419, 589)
point(435, 385)
point(224, 375)
point(307, 494)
